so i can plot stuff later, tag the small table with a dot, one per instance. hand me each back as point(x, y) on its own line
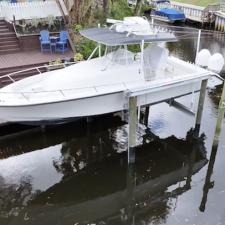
point(55, 39)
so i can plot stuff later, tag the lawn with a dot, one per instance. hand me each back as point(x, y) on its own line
point(203, 3)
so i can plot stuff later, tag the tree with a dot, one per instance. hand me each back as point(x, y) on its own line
point(76, 11)
point(138, 7)
point(105, 6)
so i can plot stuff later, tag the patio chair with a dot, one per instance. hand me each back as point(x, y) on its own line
point(62, 43)
point(45, 41)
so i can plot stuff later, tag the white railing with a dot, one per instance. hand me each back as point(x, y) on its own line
point(28, 10)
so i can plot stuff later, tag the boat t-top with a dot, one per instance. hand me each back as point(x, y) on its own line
point(104, 84)
point(167, 13)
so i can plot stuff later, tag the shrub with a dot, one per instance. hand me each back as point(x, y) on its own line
point(57, 61)
point(78, 57)
point(78, 27)
point(50, 20)
point(34, 21)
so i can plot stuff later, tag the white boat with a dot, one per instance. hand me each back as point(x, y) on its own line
point(103, 85)
point(167, 14)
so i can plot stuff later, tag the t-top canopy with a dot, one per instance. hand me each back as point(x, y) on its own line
point(111, 37)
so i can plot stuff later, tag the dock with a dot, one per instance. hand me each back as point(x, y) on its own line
point(194, 13)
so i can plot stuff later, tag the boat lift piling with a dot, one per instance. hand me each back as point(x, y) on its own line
point(221, 111)
point(201, 96)
point(200, 108)
point(146, 116)
point(132, 129)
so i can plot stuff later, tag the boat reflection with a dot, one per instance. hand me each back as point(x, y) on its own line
point(93, 190)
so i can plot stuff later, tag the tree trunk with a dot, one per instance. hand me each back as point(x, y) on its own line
point(76, 11)
point(138, 7)
point(106, 6)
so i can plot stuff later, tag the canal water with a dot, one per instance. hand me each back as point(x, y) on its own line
point(78, 173)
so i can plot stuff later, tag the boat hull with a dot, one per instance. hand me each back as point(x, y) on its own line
point(50, 113)
point(165, 19)
point(63, 111)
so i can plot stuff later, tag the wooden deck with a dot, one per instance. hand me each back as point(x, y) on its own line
point(31, 57)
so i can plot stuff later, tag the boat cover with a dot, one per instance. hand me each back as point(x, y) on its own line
point(111, 37)
point(170, 13)
point(162, 1)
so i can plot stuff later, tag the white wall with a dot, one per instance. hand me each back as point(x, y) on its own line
point(27, 10)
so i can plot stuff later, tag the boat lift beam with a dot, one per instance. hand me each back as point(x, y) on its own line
point(180, 107)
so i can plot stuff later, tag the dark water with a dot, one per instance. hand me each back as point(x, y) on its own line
point(78, 174)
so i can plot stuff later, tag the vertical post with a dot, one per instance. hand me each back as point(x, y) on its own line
point(208, 183)
point(197, 50)
point(191, 164)
point(23, 25)
point(200, 108)
point(142, 53)
point(130, 191)
point(219, 122)
point(146, 116)
point(132, 129)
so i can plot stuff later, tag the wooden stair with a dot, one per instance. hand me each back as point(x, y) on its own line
point(9, 43)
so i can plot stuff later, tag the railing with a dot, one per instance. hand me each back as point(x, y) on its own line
point(28, 10)
point(36, 68)
point(26, 94)
point(96, 89)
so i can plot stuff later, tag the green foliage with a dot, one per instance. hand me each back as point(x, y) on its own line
point(120, 9)
point(145, 7)
point(78, 27)
point(78, 57)
point(57, 61)
point(85, 47)
point(50, 20)
point(134, 48)
point(34, 21)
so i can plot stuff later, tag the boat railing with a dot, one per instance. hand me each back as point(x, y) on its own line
point(26, 94)
point(48, 68)
point(96, 89)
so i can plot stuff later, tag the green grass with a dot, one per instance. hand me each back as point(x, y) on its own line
point(203, 3)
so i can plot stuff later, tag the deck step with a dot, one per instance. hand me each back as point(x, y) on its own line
point(10, 47)
point(9, 51)
point(8, 34)
point(8, 42)
point(4, 30)
point(3, 26)
point(10, 38)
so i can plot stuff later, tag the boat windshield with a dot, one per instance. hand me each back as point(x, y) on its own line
point(120, 55)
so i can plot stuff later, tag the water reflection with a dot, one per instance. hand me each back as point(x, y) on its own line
point(92, 190)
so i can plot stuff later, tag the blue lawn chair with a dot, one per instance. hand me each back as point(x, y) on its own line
point(45, 41)
point(62, 44)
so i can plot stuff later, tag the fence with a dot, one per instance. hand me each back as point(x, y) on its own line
point(29, 10)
